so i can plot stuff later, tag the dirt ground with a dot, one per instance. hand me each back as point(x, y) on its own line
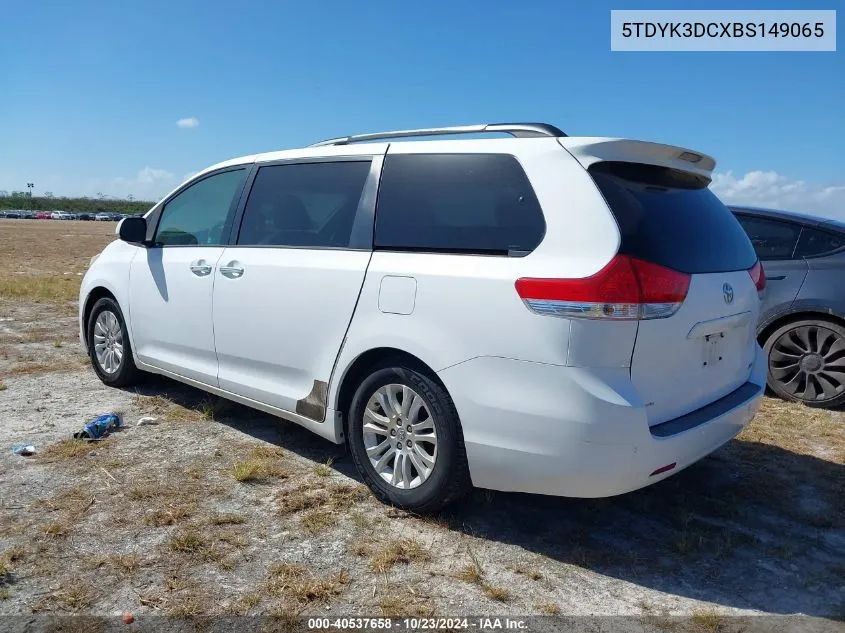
point(219, 509)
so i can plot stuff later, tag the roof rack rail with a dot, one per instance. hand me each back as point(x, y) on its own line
point(520, 130)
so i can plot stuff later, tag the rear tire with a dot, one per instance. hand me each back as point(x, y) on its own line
point(423, 464)
point(806, 362)
point(109, 346)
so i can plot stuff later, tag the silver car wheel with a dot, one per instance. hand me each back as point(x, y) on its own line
point(108, 342)
point(399, 436)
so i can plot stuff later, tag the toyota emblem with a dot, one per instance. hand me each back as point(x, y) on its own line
point(728, 292)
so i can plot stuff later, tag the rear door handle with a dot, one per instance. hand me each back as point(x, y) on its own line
point(232, 270)
point(200, 268)
point(775, 277)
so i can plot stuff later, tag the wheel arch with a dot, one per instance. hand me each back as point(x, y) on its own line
point(96, 293)
point(363, 364)
point(799, 315)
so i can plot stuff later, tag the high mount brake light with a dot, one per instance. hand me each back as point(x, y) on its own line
point(625, 289)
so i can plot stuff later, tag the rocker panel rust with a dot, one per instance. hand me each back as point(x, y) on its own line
point(313, 406)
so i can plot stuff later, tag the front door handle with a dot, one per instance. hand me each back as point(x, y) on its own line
point(232, 270)
point(775, 277)
point(200, 268)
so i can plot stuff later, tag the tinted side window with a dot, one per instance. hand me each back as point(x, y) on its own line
point(772, 239)
point(198, 214)
point(308, 204)
point(669, 217)
point(457, 203)
point(815, 242)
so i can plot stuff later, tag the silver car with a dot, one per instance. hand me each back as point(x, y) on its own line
point(802, 323)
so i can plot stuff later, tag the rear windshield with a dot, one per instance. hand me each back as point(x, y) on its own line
point(669, 217)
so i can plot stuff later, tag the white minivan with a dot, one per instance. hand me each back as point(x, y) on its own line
point(542, 313)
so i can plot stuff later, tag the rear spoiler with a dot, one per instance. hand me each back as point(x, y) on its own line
point(588, 151)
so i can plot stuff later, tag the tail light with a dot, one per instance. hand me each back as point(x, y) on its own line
point(627, 289)
point(758, 276)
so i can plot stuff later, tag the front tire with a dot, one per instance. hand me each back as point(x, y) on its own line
point(807, 362)
point(405, 439)
point(109, 346)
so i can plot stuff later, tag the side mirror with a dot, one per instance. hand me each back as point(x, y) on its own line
point(133, 230)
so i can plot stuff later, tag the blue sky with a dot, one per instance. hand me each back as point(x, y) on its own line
point(92, 90)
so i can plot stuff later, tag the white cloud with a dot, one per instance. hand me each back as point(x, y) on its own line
point(149, 183)
point(773, 190)
point(189, 122)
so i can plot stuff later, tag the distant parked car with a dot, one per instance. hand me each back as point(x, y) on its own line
point(84, 216)
point(60, 215)
point(103, 217)
point(42, 215)
point(802, 321)
point(13, 214)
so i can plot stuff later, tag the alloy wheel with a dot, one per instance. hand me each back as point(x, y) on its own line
point(808, 362)
point(400, 436)
point(108, 342)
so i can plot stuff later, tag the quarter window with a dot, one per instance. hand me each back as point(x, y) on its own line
point(457, 203)
point(198, 215)
point(772, 239)
point(306, 205)
point(815, 242)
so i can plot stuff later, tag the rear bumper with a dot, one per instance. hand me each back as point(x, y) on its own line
point(578, 432)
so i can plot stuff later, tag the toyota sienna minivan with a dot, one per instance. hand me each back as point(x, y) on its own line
point(540, 313)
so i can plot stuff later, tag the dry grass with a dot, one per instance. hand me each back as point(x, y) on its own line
point(549, 608)
point(161, 406)
point(36, 368)
point(207, 546)
point(189, 604)
point(70, 245)
point(14, 554)
point(76, 594)
point(69, 449)
point(286, 580)
point(121, 565)
point(500, 594)
point(473, 573)
point(69, 499)
point(318, 520)
point(51, 289)
point(262, 465)
point(706, 621)
point(245, 603)
point(530, 572)
point(307, 496)
point(227, 518)
point(57, 529)
point(171, 514)
point(799, 429)
point(403, 551)
point(470, 573)
point(3, 386)
point(190, 541)
point(324, 470)
point(406, 606)
point(360, 548)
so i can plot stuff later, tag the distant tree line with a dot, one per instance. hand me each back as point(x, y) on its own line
point(21, 200)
